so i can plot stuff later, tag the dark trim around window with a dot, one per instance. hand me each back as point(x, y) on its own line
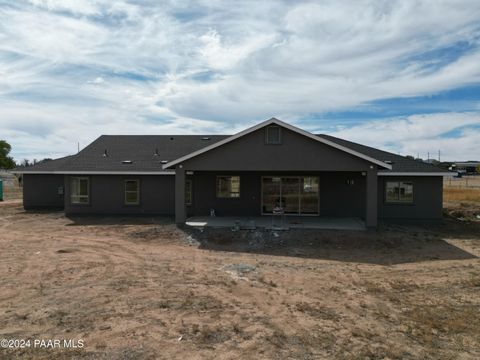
point(79, 196)
point(137, 192)
point(229, 193)
point(269, 140)
point(401, 195)
point(188, 192)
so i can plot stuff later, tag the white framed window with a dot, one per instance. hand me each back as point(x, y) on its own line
point(132, 192)
point(188, 192)
point(399, 192)
point(228, 186)
point(80, 190)
point(273, 135)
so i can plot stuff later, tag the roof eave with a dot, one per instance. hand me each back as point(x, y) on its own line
point(87, 172)
point(416, 173)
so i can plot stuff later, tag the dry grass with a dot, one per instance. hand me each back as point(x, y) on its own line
point(451, 194)
point(433, 324)
point(462, 203)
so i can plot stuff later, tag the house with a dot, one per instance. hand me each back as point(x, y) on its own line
point(253, 173)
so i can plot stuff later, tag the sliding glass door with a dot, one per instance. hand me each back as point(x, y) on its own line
point(290, 195)
point(270, 194)
point(297, 195)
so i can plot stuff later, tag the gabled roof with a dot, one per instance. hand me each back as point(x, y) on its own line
point(147, 152)
point(287, 126)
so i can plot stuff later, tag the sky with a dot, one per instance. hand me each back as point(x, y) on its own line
point(403, 75)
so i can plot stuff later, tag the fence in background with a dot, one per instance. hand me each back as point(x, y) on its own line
point(11, 187)
point(470, 181)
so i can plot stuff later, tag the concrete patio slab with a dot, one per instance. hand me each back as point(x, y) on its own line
point(276, 223)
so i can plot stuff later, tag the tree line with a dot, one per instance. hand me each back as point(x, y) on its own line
point(7, 162)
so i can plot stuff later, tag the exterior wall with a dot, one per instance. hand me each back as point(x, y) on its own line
point(337, 198)
point(107, 195)
point(295, 153)
point(41, 191)
point(427, 199)
point(204, 195)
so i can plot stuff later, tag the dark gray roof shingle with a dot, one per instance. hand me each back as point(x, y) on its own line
point(146, 153)
point(399, 163)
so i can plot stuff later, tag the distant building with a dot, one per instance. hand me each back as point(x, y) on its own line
point(467, 167)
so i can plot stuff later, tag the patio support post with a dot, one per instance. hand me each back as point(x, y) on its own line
point(180, 208)
point(371, 201)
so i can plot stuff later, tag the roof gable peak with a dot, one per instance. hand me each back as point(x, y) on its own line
point(293, 128)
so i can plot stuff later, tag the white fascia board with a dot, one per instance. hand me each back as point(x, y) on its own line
point(285, 125)
point(98, 172)
point(393, 173)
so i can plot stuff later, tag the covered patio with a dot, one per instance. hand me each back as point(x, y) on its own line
point(277, 222)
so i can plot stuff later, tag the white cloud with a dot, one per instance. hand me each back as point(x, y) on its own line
point(222, 57)
point(97, 80)
point(84, 67)
point(83, 7)
point(421, 134)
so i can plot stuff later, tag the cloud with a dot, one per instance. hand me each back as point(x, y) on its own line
point(83, 7)
point(421, 134)
point(85, 67)
point(97, 80)
point(222, 57)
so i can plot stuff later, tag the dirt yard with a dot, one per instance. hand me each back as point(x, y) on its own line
point(140, 288)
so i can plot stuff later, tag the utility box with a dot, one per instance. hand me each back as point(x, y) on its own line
point(1, 190)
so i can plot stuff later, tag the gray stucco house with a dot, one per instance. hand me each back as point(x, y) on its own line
point(252, 173)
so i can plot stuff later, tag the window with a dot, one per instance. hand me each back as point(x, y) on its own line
point(228, 186)
point(297, 195)
point(79, 193)
point(132, 192)
point(399, 192)
point(273, 135)
point(188, 192)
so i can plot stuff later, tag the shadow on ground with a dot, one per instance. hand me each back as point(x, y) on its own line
point(387, 246)
point(98, 220)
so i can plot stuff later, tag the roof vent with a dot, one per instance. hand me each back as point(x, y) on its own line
point(205, 138)
point(171, 138)
point(388, 162)
point(163, 161)
point(105, 153)
point(127, 161)
point(156, 152)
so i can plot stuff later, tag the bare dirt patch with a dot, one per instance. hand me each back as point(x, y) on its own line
point(141, 288)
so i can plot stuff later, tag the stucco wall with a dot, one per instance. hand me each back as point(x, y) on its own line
point(41, 191)
point(427, 199)
point(157, 195)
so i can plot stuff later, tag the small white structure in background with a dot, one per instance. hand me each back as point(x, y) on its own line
point(8, 178)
